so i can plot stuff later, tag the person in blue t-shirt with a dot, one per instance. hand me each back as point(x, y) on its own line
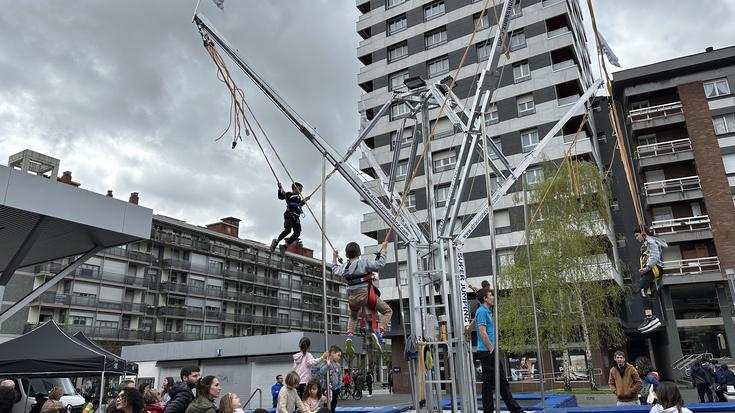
point(486, 355)
point(276, 388)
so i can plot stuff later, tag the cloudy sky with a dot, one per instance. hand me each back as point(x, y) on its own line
point(125, 95)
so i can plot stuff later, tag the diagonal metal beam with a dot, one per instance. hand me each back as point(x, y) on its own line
point(10, 311)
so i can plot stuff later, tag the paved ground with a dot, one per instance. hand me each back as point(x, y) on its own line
point(383, 398)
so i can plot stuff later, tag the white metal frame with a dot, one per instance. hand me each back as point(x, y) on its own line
point(428, 254)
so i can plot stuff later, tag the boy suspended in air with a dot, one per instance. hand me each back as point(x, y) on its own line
point(292, 217)
point(358, 272)
point(651, 269)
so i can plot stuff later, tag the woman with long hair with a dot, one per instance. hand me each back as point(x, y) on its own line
point(208, 389)
point(165, 387)
point(129, 400)
point(669, 399)
point(54, 400)
point(650, 380)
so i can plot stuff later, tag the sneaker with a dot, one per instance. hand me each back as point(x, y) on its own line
point(648, 321)
point(653, 327)
point(349, 349)
point(274, 244)
point(283, 249)
point(378, 340)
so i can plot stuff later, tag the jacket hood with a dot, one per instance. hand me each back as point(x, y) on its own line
point(659, 241)
point(201, 405)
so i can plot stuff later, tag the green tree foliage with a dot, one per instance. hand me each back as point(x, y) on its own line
point(577, 301)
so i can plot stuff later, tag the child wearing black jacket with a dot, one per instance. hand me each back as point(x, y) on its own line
point(292, 216)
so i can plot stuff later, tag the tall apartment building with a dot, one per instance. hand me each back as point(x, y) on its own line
point(547, 70)
point(186, 283)
point(680, 128)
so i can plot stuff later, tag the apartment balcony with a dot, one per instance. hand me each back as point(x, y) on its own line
point(239, 275)
point(176, 264)
point(91, 302)
point(655, 116)
point(177, 336)
point(683, 229)
point(705, 269)
point(172, 311)
point(105, 333)
point(673, 190)
point(664, 152)
point(47, 268)
point(130, 254)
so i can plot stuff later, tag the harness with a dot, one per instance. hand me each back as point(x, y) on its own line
point(372, 300)
point(657, 270)
point(293, 205)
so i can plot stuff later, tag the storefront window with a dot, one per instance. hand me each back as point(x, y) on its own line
point(695, 301)
point(697, 340)
point(523, 367)
point(577, 363)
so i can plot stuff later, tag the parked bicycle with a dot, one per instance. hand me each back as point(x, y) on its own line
point(346, 391)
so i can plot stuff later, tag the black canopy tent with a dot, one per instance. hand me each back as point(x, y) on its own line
point(48, 351)
point(114, 363)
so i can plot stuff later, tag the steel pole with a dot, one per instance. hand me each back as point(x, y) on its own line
point(539, 358)
point(324, 271)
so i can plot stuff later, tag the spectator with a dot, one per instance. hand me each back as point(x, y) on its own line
point(369, 382)
point(208, 389)
point(143, 388)
point(129, 400)
point(152, 400)
point(313, 397)
point(180, 393)
point(40, 401)
point(702, 380)
point(7, 399)
point(54, 400)
point(303, 361)
point(276, 388)
point(624, 381)
point(168, 382)
point(346, 379)
point(125, 384)
point(390, 382)
point(288, 397)
point(650, 380)
point(669, 400)
point(230, 403)
point(330, 369)
point(725, 377)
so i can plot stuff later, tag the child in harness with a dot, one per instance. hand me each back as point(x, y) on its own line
point(292, 217)
point(358, 272)
point(650, 271)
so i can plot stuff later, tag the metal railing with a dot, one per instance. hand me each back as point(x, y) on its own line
point(260, 393)
point(691, 266)
point(655, 112)
point(663, 148)
point(668, 186)
point(688, 224)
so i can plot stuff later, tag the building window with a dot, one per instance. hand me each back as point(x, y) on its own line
point(441, 193)
point(396, 80)
point(505, 259)
point(483, 50)
point(534, 175)
point(192, 328)
point(393, 3)
point(492, 115)
point(403, 276)
point(517, 40)
point(410, 201)
point(433, 10)
point(517, 9)
point(525, 104)
point(436, 38)
point(724, 124)
point(499, 144)
point(481, 24)
point(647, 139)
point(397, 24)
point(401, 170)
point(444, 161)
point(729, 162)
point(211, 330)
point(81, 321)
point(397, 52)
point(439, 66)
point(521, 72)
point(501, 221)
point(529, 139)
point(107, 324)
point(398, 110)
point(717, 87)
